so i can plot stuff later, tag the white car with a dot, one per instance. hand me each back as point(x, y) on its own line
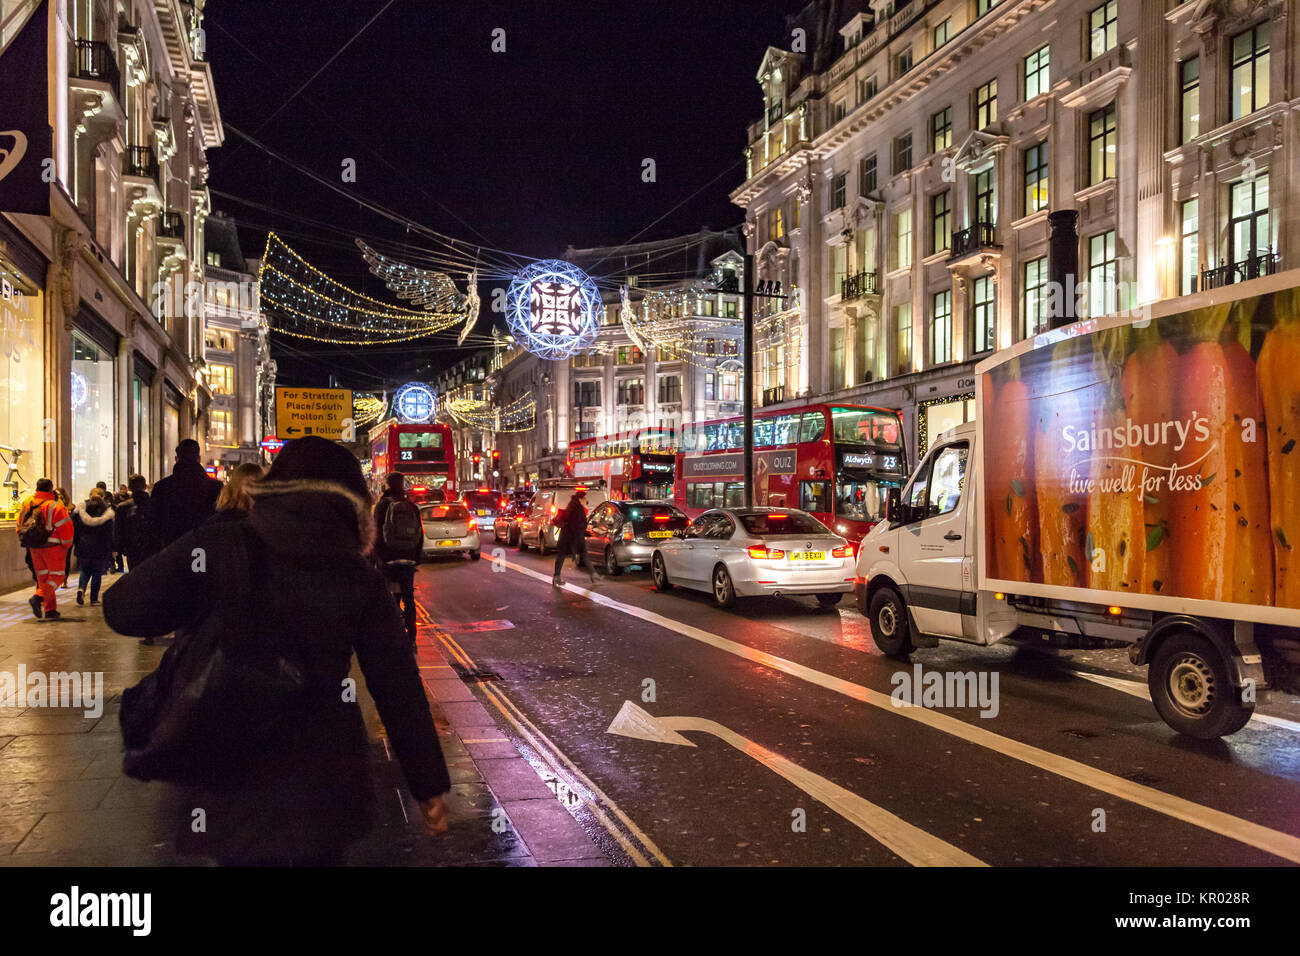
point(536, 530)
point(745, 552)
point(449, 529)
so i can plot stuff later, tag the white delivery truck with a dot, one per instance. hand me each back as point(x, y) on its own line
point(1132, 479)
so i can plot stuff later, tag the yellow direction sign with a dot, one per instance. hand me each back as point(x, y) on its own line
point(326, 412)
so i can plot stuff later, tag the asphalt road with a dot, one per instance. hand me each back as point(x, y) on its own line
point(808, 761)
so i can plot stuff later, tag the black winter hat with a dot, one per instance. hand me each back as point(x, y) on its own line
point(317, 459)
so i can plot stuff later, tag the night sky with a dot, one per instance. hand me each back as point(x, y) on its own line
point(529, 150)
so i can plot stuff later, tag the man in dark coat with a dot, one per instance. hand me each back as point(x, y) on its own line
point(308, 794)
point(573, 537)
point(399, 563)
point(185, 499)
point(134, 534)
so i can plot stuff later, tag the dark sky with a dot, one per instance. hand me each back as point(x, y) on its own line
point(529, 150)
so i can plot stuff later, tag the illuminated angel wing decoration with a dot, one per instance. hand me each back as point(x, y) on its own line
point(626, 314)
point(471, 307)
point(430, 290)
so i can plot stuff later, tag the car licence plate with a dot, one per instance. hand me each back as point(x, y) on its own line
point(807, 555)
point(448, 543)
point(660, 534)
point(482, 511)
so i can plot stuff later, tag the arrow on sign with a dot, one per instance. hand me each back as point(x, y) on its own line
point(911, 843)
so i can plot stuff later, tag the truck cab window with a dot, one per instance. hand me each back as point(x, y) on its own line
point(948, 479)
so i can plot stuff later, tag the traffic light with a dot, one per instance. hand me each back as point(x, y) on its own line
point(496, 457)
point(476, 458)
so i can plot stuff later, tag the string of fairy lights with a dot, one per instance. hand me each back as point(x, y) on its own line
point(690, 321)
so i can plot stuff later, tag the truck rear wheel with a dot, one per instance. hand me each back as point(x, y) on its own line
point(889, 626)
point(1190, 686)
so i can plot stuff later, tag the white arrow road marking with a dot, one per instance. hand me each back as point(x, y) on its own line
point(1137, 689)
point(1274, 842)
point(911, 843)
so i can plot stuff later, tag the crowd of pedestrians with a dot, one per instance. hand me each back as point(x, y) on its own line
point(296, 563)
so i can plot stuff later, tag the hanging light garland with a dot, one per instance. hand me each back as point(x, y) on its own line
point(464, 406)
point(367, 408)
point(309, 304)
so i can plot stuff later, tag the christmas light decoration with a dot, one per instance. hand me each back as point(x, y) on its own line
point(430, 290)
point(415, 404)
point(308, 304)
point(367, 408)
point(553, 309)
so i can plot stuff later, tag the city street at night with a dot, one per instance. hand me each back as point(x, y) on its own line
point(750, 440)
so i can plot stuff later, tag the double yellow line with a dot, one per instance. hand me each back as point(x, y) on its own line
point(635, 843)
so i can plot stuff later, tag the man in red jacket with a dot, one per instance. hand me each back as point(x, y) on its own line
point(49, 562)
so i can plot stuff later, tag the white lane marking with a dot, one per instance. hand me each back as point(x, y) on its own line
point(911, 843)
point(1137, 689)
point(1273, 842)
point(595, 799)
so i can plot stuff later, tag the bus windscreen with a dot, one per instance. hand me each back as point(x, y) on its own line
point(865, 425)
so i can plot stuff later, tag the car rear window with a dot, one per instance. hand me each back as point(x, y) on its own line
point(656, 518)
point(481, 499)
point(446, 513)
point(783, 522)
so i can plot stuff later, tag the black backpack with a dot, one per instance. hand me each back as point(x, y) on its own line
point(402, 531)
point(221, 692)
point(137, 529)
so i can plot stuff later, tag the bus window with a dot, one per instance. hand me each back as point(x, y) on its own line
point(733, 495)
point(865, 425)
point(860, 500)
point(813, 427)
point(785, 429)
point(815, 496)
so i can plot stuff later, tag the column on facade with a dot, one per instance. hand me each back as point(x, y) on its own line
point(1147, 123)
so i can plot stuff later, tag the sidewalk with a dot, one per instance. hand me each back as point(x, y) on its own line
point(64, 800)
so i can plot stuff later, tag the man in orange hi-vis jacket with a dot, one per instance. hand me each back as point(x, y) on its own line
point(49, 561)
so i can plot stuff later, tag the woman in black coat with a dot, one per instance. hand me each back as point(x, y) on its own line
point(93, 542)
point(308, 795)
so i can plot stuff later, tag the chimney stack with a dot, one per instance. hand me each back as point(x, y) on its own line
point(1062, 266)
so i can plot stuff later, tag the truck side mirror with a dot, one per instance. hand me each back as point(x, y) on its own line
point(894, 506)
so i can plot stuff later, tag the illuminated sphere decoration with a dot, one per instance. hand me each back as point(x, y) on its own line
point(554, 309)
point(414, 404)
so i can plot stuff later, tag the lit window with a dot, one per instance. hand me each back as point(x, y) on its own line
point(1036, 178)
point(903, 338)
point(983, 314)
point(942, 33)
point(222, 379)
point(941, 130)
point(986, 104)
point(941, 328)
point(1036, 73)
point(1035, 304)
point(1250, 71)
point(1101, 145)
point(220, 427)
point(1189, 108)
point(1189, 247)
point(903, 238)
point(1102, 29)
point(1103, 275)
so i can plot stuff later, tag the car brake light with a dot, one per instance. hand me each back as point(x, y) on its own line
point(473, 524)
point(552, 509)
point(843, 552)
point(662, 517)
point(760, 552)
point(627, 532)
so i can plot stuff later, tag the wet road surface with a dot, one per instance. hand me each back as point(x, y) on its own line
point(800, 757)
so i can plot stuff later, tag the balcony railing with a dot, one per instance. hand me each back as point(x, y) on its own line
point(773, 395)
point(980, 235)
point(857, 285)
point(1251, 267)
point(171, 225)
point(94, 60)
point(140, 161)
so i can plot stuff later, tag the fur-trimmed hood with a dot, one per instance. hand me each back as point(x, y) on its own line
point(274, 493)
point(95, 520)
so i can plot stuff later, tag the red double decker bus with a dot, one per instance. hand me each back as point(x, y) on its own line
point(638, 464)
point(836, 462)
point(425, 454)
